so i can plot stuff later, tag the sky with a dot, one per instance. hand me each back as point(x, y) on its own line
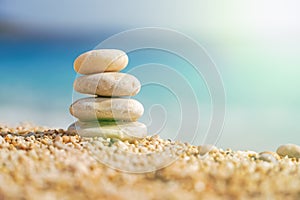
point(255, 45)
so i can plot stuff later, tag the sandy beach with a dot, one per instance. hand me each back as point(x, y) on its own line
point(37, 163)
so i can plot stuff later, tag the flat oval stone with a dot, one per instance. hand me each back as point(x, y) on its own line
point(268, 156)
point(290, 150)
point(108, 84)
point(101, 60)
point(120, 130)
point(90, 109)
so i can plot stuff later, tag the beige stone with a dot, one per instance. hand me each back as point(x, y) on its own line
point(290, 150)
point(206, 148)
point(101, 60)
point(100, 108)
point(108, 84)
point(268, 156)
point(120, 130)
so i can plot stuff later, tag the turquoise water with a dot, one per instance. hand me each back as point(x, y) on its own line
point(262, 99)
point(36, 81)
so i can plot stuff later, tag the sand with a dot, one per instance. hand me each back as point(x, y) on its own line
point(37, 163)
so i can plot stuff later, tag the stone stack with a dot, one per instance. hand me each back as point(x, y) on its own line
point(110, 113)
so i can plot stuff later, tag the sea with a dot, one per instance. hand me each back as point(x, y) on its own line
point(36, 86)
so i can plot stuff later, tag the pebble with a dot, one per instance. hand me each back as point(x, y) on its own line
point(58, 139)
point(101, 60)
point(89, 109)
point(108, 84)
point(121, 130)
point(290, 150)
point(116, 115)
point(65, 139)
point(206, 148)
point(268, 156)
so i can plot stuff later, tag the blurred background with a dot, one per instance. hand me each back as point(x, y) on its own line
point(255, 45)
